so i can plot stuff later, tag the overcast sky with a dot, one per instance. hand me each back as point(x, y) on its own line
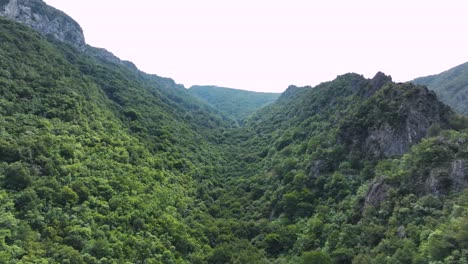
point(266, 45)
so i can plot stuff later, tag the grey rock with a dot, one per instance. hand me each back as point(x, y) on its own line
point(377, 193)
point(384, 139)
point(395, 139)
point(432, 184)
point(401, 232)
point(458, 175)
point(444, 181)
point(401, 115)
point(45, 19)
point(315, 169)
point(392, 141)
point(379, 80)
point(107, 56)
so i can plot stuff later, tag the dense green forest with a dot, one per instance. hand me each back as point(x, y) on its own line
point(451, 86)
point(100, 163)
point(233, 103)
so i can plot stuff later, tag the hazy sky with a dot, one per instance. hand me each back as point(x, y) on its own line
point(266, 45)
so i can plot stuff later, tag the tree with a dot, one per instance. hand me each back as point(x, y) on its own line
point(439, 246)
point(17, 176)
point(315, 257)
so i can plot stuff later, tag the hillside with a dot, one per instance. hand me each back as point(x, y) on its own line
point(94, 156)
point(233, 103)
point(451, 86)
point(338, 168)
point(101, 163)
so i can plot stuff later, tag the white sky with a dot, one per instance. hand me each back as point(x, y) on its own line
point(266, 45)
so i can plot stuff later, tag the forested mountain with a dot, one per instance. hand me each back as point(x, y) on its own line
point(451, 86)
point(233, 103)
point(338, 168)
point(96, 160)
point(101, 163)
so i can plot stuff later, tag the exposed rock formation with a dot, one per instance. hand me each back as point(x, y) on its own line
point(50, 21)
point(396, 117)
point(315, 169)
point(45, 19)
point(395, 138)
point(379, 80)
point(452, 179)
point(107, 56)
point(377, 193)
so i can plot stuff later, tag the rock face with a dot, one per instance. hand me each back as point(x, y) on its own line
point(50, 21)
point(379, 80)
point(444, 181)
point(377, 193)
point(107, 56)
point(45, 19)
point(459, 175)
point(393, 138)
point(393, 119)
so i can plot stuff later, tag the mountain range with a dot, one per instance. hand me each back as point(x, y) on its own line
point(102, 163)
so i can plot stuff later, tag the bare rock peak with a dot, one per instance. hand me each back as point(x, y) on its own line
point(45, 19)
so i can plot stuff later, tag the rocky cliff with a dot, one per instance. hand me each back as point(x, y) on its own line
point(45, 19)
point(52, 22)
point(437, 167)
point(395, 118)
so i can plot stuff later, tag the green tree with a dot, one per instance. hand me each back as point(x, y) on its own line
point(315, 257)
point(17, 176)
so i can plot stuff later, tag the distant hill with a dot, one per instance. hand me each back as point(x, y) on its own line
point(234, 103)
point(451, 86)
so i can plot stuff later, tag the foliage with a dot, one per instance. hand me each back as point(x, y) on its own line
point(233, 103)
point(315, 257)
point(451, 86)
point(100, 163)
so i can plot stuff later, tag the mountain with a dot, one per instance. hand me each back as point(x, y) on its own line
point(451, 86)
point(101, 163)
point(233, 103)
point(98, 161)
point(45, 19)
point(52, 22)
point(345, 171)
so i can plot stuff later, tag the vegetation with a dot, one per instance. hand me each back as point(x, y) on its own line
point(233, 103)
point(100, 163)
point(451, 86)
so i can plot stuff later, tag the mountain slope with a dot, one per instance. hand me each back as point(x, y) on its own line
point(45, 19)
point(451, 86)
point(233, 103)
point(94, 157)
point(101, 163)
point(351, 122)
point(322, 170)
point(51, 22)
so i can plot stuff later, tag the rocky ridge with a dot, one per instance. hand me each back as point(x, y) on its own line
point(395, 118)
point(49, 21)
point(45, 19)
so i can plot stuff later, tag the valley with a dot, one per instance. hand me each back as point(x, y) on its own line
point(102, 163)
